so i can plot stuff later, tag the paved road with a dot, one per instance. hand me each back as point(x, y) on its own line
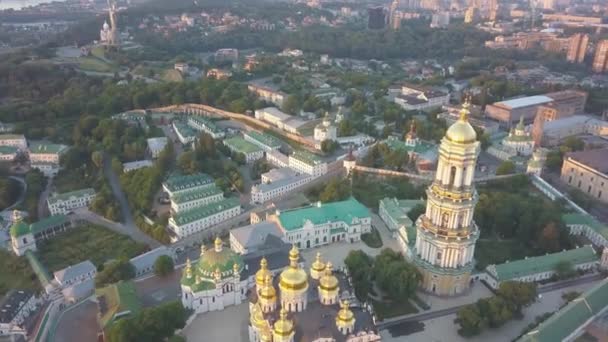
point(440, 313)
point(121, 228)
point(43, 209)
point(118, 193)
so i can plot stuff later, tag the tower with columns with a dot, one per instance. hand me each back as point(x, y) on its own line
point(446, 233)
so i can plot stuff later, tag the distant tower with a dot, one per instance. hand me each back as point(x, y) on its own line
point(577, 48)
point(109, 33)
point(600, 60)
point(394, 15)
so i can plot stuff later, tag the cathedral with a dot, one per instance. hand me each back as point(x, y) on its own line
point(446, 233)
point(108, 35)
point(308, 306)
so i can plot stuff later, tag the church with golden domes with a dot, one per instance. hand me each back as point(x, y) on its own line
point(308, 306)
point(446, 233)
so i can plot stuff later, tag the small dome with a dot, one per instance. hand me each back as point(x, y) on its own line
point(19, 227)
point(283, 326)
point(461, 131)
point(345, 315)
point(262, 273)
point(328, 281)
point(215, 264)
point(268, 293)
point(293, 278)
point(318, 265)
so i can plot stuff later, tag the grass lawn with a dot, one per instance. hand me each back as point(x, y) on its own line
point(372, 239)
point(498, 251)
point(16, 273)
point(389, 310)
point(95, 64)
point(87, 241)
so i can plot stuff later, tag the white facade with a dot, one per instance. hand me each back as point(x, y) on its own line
point(136, 165)
point(272, 115)
point(266, 191)
point(313, 235)
point(209, 128)
point(195, 202)
point(313, 168)
point(15, 140)
point(64, 203)
point(199, 225)
point(277, 159)
point(325, 131)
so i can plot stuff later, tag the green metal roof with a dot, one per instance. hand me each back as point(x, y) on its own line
point(8, 150)
point(321, 213)
point(185, 130)
point(544, 263)
point(19, 228)
point(568, 319)
point(67, 195)
point(189, 216)
point(193, 195)
point(420, 148)
point(306, 157)
point(183, 182)
point(40, 148)
point(210, 125)
point(223, 260)
point(241, 145)
point(47, 223)
point(264, 139)
point(586, 220)
point(117, 298)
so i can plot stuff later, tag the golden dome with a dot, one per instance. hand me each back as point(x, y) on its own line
point(318, 265)
point(293, 278)
point(262, 273)
point(265, 335)
point(328, 281)
point(218, 244)
point(256, 317)
point(283, 326)
point(461, 131)
point(268, 292)
point(188, 269)
point(345, 316)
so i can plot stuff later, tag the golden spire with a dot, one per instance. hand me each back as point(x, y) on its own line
point(218, 244)
point(235, 268)
point(294, 257)
point(261, 274)
point(318, 264)
point(188, 269)
point(328, 281)
point(202, 249)
point(283, 327)
point(464, 112)
point(345, 315)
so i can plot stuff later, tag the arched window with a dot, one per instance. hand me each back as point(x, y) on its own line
point(452, 175)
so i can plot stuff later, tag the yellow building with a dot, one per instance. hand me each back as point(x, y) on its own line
point(446, 233)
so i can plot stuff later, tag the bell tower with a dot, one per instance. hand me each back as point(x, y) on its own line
point(446, 233)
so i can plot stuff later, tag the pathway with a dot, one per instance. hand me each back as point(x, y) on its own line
point(42, 204)
point(117, 191)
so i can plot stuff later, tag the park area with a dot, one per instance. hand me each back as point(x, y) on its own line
point(16, 273)
point(87, 242)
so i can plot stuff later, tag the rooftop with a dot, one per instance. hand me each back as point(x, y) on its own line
point(40, 148)
point(183, 182)
point(241, 145)
point(571, 121)
point(210, 125)
point(66, 196)
point(265, 187)
point(586, 220)
point(254, 235)
point(189, 216)
point(306, 157)
point(74, 271)
point(265, 139)
point(544, 263)
point(595, 159)
point(12, 303)
point(277, 113)
point(280, 173)
point(343, 211)
point(192, 195)
point(571, 317)
point(157, 143)
point(183, 129)
point(524, 101)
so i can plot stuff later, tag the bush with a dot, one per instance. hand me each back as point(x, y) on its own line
point(115, 271)
point(163, 266)
point(372, 239)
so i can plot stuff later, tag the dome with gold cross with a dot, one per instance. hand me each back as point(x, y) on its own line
point(214, 266)
point(283, 327)
point(345, 321)
point(317, 268)
point(294, 278)
point(461, 131)
point(262, 273)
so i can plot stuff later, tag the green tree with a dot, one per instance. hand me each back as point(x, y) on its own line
point(163, 265)
point(115, 271)
point(359, 266)
point(505, 168)
point(470, 320)
point(329, 146)
point(519, 294)
point(564, 270)
point(291, 105)
point(416, 211)
point(151, 324)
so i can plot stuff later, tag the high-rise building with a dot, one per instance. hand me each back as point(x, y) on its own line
point(577, 48)
point(376, 18)
point(471, 15)
point(601, 56)
point(446, 233)
point(394, 15)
